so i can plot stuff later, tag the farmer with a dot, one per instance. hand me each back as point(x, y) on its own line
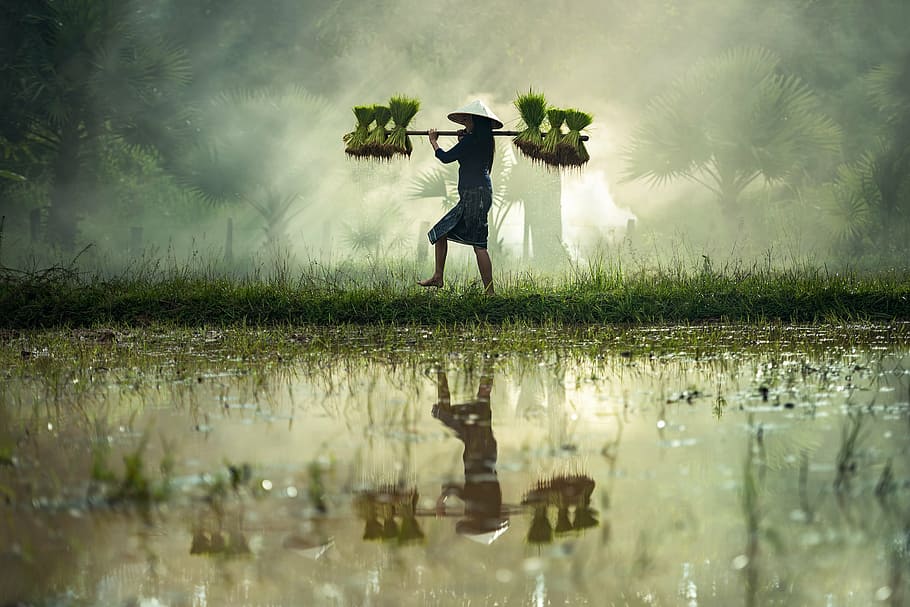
point(467, 221)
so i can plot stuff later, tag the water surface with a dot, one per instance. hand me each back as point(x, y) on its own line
point(691, 467)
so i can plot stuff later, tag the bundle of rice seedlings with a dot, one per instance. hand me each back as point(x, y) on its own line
point(573, 152)
point(356, 140)
point(533, 109)
point(403, 111)
point(377, 141)
point(550, 149)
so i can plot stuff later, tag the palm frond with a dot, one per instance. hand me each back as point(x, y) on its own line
point(11, 176)
point(210, 177)
point(735, 112)
point(433, 183)
point(885, 89)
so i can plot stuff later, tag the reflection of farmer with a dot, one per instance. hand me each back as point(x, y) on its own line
point(484, 520)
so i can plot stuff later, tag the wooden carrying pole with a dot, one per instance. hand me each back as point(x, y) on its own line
point(495, 134)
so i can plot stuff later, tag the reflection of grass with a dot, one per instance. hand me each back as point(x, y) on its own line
point(846, 455)
point(338, 362)
point(753, 485)
point(134, 486)
point(64, 360)
point(348, 294)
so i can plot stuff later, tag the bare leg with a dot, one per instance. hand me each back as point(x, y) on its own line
point(442, 410)
point(440, 249)
point(486, 269)
point(442, 389)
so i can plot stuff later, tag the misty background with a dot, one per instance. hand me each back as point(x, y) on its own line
point(210, 132)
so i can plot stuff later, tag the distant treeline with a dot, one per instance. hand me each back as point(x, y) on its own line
point(790, 115)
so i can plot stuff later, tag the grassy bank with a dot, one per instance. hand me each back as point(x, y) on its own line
point(62, 298)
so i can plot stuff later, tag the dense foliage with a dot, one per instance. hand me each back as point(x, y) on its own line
point(126, 113)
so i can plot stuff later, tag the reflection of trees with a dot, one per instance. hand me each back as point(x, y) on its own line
point(542, 393)
point(370, 394)
point(754, 470)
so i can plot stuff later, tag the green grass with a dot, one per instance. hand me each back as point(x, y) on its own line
point(592, 296)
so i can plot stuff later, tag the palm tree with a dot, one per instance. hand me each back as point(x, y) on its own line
point(260, 148)
point(868, 203)
point(540, 194)
point(726, 123)
point(78, 71)
point(438, 182)
point(373, 233)
point(887, 168)
point(847, 206)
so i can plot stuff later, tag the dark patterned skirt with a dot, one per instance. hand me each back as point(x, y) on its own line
point(467, 221)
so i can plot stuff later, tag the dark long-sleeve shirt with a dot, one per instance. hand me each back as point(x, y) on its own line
point(473, 162)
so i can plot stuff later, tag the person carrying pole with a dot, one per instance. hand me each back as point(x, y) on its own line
point(466, 223)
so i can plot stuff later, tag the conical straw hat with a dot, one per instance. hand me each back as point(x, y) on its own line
point(475, 108)
point(482, 535)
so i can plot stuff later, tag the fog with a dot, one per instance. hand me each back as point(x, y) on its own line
point(206, 132)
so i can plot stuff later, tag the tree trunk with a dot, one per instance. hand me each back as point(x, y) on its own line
point(423, 246)
point(543, 220)
point(34, 225)
point(731, 212)
point(493, 238)
point(526, 238)
point(63, 213)
point(135, 246)
point(229, 242)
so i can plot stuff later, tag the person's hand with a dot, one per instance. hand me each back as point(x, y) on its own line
point(433, 136)
point(462, 133)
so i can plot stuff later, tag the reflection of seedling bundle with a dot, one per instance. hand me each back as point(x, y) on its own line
point(379, 508)
point(570, 496)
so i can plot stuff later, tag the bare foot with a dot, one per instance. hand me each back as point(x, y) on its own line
point(432, 281)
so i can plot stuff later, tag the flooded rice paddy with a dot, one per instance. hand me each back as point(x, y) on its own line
point(662, 466)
